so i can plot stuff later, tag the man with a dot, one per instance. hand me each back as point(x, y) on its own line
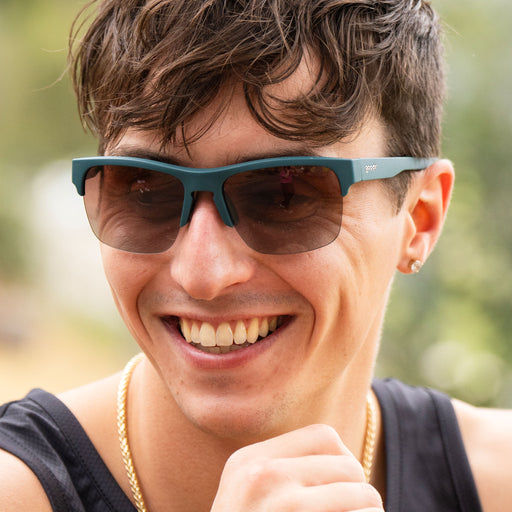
point(259, 314)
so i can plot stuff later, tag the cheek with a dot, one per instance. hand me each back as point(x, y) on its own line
point(128, 275)
point(352, 277)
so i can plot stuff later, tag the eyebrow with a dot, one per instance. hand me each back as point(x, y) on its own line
point(302, 150)
point(142, 152)
point(148, 154)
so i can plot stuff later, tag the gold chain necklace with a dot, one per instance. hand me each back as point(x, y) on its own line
point(369, 438)
point(122, 430)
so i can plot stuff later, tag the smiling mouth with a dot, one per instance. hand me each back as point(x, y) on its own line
point(228, 337)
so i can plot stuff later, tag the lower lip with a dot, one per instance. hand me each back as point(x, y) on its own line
point(207, 361)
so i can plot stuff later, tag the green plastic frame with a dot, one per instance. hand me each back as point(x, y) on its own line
point(348, 171)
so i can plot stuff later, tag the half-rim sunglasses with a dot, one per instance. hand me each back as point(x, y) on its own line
point(283, 205)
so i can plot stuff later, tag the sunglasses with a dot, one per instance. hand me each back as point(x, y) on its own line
point(284, 205)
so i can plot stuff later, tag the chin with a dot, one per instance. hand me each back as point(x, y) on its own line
point(239, 423)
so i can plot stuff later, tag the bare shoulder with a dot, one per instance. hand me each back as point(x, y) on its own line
point(94, 407)
point(20, 489)
point(487, 435)
point(93, 402)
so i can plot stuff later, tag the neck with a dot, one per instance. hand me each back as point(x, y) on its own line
point(172, 455)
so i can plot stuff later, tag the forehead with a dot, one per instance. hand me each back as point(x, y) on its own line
point(227, 143)
point(229, 131)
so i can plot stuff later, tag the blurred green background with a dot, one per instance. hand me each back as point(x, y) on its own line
point(448, 327)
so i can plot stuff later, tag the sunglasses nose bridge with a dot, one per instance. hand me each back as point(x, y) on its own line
point(219, 200)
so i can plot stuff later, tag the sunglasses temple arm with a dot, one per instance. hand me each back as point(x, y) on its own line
point(381, 168)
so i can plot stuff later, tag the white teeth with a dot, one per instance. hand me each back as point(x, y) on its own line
point(207, 335)
point(263, 330)
point(240, 335)
point(194, 333)
point(224, 339)
point(185, 330)
point(253, 331)
point(224, 335)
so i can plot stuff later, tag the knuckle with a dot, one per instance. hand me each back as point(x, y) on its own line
point(330, 439)
point(242, 464)
point(286, 502)
point(349, 469)
point(372, 496)
point(266, 471)
point(326, 431)
point(246, 455)
point(354, 471)
point(237, 459)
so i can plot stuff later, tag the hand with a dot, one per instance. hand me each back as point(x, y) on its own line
point(309, 469)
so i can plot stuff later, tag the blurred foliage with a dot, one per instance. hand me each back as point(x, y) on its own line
point(450, 326)
point(447, 327)
point(38, 116)
point(39, 120)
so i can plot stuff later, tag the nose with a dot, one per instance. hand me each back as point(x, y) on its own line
point(208, 256)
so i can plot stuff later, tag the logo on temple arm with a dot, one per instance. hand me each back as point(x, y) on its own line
point(370, 168)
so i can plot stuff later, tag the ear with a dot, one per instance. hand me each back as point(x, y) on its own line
point(426, 206)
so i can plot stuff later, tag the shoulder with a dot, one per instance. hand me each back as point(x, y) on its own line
point(19, 487)
point(487, 435)
point(93, 404)
point(94, 408)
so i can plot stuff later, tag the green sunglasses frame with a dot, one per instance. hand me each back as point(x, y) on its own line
point(348, 172)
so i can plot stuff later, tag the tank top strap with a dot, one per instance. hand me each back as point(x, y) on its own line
point(426, 463)
point(42, 432)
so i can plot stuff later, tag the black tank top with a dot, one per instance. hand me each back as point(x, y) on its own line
point(427, 466)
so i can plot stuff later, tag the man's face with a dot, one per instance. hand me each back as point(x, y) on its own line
point(328, 303)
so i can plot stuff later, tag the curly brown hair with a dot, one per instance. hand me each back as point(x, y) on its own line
point(153, 64)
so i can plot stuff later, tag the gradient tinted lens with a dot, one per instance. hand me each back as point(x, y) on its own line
point(133, 209)
point(279, 210)
point(286, 210)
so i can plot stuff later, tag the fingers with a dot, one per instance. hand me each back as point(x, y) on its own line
point(309, 469)
point(339, 497)
point(311, 440)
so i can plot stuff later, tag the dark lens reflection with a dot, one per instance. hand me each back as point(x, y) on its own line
point(286, 210)
point(133, 209)
point(280, 210)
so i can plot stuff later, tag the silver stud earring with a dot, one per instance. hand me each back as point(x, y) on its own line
point(415, 266)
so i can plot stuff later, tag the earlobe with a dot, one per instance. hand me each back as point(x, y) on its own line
point(427, 204)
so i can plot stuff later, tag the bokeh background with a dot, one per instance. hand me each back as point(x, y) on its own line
point(448, 327)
